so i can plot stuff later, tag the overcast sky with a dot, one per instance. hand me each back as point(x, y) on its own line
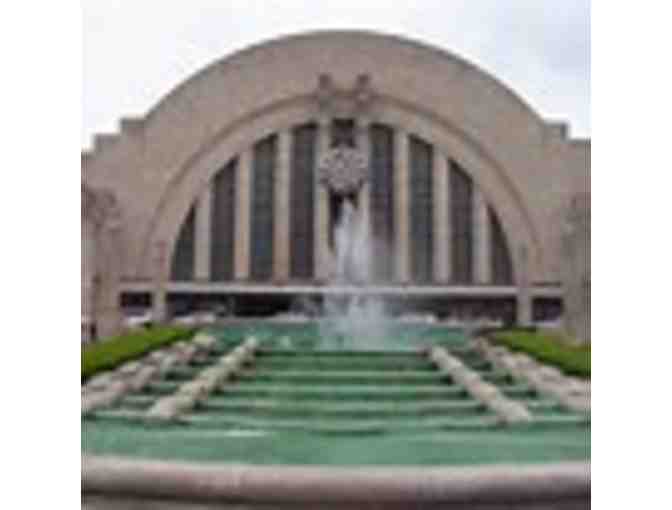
point(135, 52)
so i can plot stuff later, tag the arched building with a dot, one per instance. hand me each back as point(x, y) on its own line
point(213, 196)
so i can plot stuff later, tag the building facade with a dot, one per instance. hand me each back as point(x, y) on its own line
point(214, 199)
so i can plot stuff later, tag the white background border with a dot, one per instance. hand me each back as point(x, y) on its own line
point(40, 197)
point(632, 216)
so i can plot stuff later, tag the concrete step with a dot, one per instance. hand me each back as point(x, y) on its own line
point(162, 387)
point(358, 409)
point(517, 391)
point(554, 419)
point(379, 355)
point(426, 377)
point(334, 426)
point(539, 405)
point(343, 392)
point(335, 363)
point(138, 402)
point(496, 377)
point(119, 415)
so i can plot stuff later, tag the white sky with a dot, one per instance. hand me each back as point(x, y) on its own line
point(135, 52)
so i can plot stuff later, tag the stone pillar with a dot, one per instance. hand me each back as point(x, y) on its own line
point(364, 145)
point(203, 235)
point(243, 215)
point(161, 272)
point(88, 276)
point(322, 250)
point(281, 242)
point(110, 316)
point(576, 268)
point(102, 262)
point(441, 220)
point(481, 229)
point(524, 295)
point(401, 205)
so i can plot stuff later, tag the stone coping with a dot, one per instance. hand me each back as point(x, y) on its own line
point(508, 411)
point(194, 391)
point(573, 393)
point(202, 483)
point(107, 388)
point(401, 290)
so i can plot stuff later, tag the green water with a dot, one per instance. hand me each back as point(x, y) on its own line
point(449, 448)
point(304, 401)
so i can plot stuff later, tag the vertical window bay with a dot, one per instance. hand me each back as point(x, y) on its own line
point(222, 223)
point(182, 266)
point(421, 210)
point(461, 189)
point(263, 213)
point(500, 261)
point(302, 196)
point(382, 201)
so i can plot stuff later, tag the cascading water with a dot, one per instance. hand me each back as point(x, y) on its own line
point(352, 247)
point(353, 318)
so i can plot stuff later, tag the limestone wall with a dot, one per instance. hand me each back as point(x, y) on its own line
point(526, 166)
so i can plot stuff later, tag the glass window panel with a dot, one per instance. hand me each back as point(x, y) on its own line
point(382, 200)
point(500, 257)
point(182, 267)
point(461, 189)
point(302, 219)
point(343, 133)
point(222, 224)
point(422, 214)
point(263, 211)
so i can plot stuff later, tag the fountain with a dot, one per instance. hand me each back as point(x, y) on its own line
point(354, 318)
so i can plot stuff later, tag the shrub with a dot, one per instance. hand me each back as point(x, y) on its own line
point(550, 348)
point(115, 351)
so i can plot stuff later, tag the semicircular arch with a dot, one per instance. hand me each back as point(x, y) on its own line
point(487, 173)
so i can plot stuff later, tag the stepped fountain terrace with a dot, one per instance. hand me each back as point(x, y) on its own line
point(286, 398)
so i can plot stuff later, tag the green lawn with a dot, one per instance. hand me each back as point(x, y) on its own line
point(549, 348)
point(110, 353)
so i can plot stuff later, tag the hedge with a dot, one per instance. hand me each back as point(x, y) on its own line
point(550, 348)
point(115, 351)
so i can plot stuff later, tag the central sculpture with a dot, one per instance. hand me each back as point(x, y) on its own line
point(343, 170)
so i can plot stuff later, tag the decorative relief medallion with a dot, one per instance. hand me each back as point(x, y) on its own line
point(343, 170)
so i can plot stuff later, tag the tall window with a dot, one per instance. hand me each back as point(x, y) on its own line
point(343, 133)
point(461, 189)
point(182, 267)
point(263, 211)
point(382, 201)
point(422, 214)
point(500, 261)
point(222, 224)
point(301, 201)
